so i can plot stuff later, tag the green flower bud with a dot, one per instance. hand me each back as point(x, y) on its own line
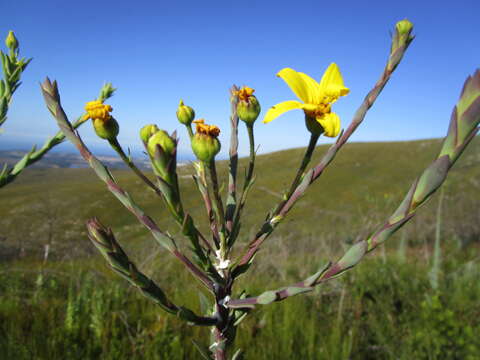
point(205, 144)
point(404, 27)
point(205, 147)
point(248, 111)
point(106, 91)
point(161, 138)
point(147, 131)
point(106, 128)
point(248, 107)
point(185, 114)
point(400, 41)
point(11, 41)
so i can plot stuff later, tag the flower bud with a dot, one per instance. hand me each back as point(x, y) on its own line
point(11, 41)
point(400, 41)
point(147, 131)
point(205, 144)
point(161, 138)
point(106, 128)
point(106, 91)
point(185, 114)
point(404, 27)
point(162, 150)
point(104, 124)
point(248, 107)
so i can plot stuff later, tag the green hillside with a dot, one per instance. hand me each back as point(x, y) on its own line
point(360, 189)
point(72, 306)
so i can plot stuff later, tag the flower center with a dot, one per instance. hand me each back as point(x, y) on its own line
point(244, 93)
point(97, 110)
point(318, 110)
point(202, 128)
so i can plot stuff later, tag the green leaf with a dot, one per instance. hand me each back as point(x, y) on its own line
point(431, 179)
point(267, 297)
point(353, 255)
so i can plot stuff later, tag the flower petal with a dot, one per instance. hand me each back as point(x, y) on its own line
point(330, 123)
point(332, 82)
point(279, 109)
point(296, 82)
point(314, 89)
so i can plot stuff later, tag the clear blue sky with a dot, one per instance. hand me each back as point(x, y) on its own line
point(156, 52)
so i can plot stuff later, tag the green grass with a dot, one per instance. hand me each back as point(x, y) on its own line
point(382, 310)
point(73, 307)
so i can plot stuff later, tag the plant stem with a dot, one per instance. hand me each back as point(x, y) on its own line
point(223, 332)
point(301, 170)
point(118, 148)
point(246, 184)
point(190, 131)
point(251, 164)
point(217, 200)
point(231, 203)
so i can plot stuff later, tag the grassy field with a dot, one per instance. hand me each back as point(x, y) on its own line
point(72, 307)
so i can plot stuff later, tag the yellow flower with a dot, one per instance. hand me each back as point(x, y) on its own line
point(104, 124)
point(97, 110)
point(317, 97)
point(202, 128)
point(244, 93)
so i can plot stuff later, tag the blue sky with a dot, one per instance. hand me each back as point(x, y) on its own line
point(157, 52)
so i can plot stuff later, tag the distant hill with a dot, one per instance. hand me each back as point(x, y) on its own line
point(68, 160)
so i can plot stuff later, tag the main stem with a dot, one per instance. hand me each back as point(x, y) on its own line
point(222, 331)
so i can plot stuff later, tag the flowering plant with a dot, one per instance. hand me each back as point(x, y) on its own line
point(211, 259)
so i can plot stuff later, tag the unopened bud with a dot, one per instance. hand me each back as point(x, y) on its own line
point(147, 131)
point(205, 144)
point(248, 111)
point(107, 129)
point(248, 107)
point(404, 27)
point(402, 38)
point(11, 41)
point(106, 91)
point(161, 138)
point(185, 114)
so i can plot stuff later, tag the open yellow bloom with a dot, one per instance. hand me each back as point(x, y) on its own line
point(317, 97)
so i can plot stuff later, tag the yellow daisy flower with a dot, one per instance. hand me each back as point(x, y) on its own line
point(317, 97)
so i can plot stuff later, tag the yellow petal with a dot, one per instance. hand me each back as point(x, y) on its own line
point(332, 82)
point(279, 109)
point(330, 123)
point(314, 89)
point(296, 82)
